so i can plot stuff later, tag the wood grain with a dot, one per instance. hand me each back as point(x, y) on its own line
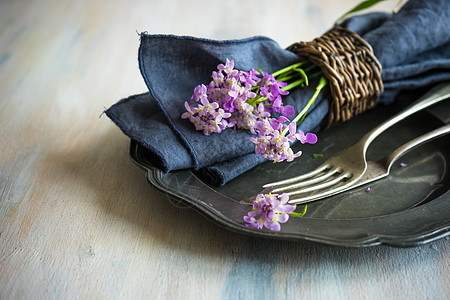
point(77, 217)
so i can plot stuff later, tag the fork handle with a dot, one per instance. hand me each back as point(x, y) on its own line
point(389, 159)
point(435, 95)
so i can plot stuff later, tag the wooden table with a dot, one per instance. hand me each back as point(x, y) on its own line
point(77, 217)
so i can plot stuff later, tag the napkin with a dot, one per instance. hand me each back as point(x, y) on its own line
point(413, 47)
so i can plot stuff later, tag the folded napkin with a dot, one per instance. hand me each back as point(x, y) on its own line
point(413, 47)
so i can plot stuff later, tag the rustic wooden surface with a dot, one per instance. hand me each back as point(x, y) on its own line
point(77, 217)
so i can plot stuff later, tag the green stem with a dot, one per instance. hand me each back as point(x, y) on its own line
point(293, 85)
point(322, 83)
point(300, 81)
point(260, 100)
point(287, 77)
point(289, 68)
point(317, 74)
point(288, 73)
point(299, 118)
point(310, 68)
point(295, 214)
point(293, 71)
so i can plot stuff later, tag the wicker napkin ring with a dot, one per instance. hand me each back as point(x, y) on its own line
point(353, 71)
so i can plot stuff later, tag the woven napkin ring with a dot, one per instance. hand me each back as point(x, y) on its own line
point(353, 71)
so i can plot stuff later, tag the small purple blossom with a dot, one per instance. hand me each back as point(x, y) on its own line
point(273, 145)
point(199, 93)
point(271, 142)
point(285, 110)
point(309, 138)
point(276, 91)
point(207, 116)
point(228, 68)
point(277, 124)
point(269, 211)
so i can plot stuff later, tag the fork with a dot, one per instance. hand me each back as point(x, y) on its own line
point(381, 168)
point(346, 167)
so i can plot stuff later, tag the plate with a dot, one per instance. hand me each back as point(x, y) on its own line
point(408, 208)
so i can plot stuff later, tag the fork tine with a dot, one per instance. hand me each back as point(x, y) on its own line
point(323, 185)
point(304, 200)
point(313, 173)
point(314, 180)
point(315, 196)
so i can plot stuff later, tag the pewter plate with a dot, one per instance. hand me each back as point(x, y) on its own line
point(408, 208)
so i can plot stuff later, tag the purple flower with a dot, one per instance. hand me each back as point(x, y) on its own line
point(199, 93)
point(287, 110)
point(266, 80)
point(277, 124)
point(270, 211)
point(275, 91)
point(228, 68)
point(309, 138)
point(271, 143)
point(217, 78)
point(190, 112)
point(247, 117)
point(264, 91)
point(250, 78)
point(276, 88)
point(207, 116)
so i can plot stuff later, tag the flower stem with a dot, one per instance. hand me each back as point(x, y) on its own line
point(289, 68)
point(287, 88)
point(299, 118)
point(258, 100)
point(293, 84)
point(295, 214)
point(322, 83)
point(304, 79)
point(287, 77)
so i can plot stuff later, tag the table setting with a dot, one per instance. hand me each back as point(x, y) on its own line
point(224, 149)
point(369, 60)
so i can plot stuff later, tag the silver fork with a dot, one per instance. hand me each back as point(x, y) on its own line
point(346, 167)
point(382, 167)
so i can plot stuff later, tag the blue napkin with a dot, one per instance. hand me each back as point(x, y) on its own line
point(413, 47)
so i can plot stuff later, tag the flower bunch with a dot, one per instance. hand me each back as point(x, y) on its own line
point(273, 143)
point(235, 99)
point(269, 211)
point(252, 101)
